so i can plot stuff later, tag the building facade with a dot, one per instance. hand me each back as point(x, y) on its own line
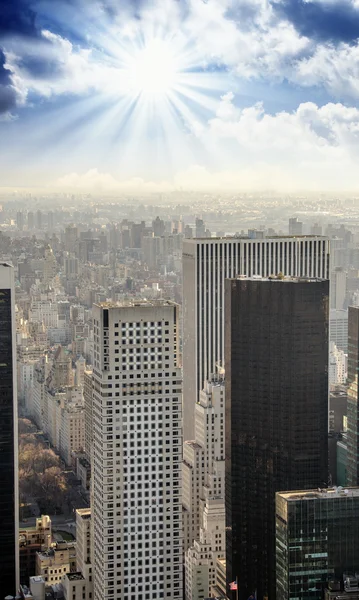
point(206, 264)
point(316, 541)
point(83, 548)
point(276, 413)
point(203, 492)
point(137, 452)
point(9, 495)
point(31, 541)
point(353, 397)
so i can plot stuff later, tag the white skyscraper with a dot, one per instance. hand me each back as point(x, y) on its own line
point(206, 264)
point(204, 508)
point(338, 289)
point(137, 452)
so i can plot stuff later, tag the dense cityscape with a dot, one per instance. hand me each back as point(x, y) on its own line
point(179, 300)
point(133, 479)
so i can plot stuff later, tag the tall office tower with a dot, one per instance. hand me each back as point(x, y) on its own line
point(316, 229)
point(20, 220)
point(30, 220)
point(203, 493)
point(9, 498)
point(338, 288)
point(200, 228)
point(38, 219)
point(353, 397)
point(338, 328)
point(316, 541)
point(295, 226)
point(50, 265)
point(276, 413)
point(206, 264)
point(137, 452)
point(71, 237)
point(50, 220)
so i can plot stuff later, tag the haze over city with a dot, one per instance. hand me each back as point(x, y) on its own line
point(143, 96)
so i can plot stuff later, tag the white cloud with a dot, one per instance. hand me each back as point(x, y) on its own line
point(247, 37)
point(335, 68)
point(66, 69)
point(205, 35)
point(312, 147)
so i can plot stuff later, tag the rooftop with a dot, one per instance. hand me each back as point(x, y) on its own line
point(233, 238)
point(325, 493)
point(280, 277)
point(193, 444)
point(136, 302)
point(75, 576)
point(84, 513)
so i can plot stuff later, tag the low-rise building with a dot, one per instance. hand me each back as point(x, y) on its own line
point(74, 586)
point(55, 562)
point(31, 541)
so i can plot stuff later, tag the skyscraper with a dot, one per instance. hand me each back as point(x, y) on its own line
point(9, 500)
point(203, 492)
point(295, 226)
point(316, 540)
point(206, 264)
point(137, 452)
point(276, 413)
point(353, 397)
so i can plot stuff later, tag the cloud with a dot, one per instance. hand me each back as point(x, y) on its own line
point(335, 68)
point(312, 148)
point(270, 40)
point(323, 127)
point(7, 91)
point(17, 17)
point(249, 43)
point(324, 20)
point(250, 39)
point(54, 66)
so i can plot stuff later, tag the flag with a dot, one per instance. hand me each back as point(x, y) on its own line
point(233, 586)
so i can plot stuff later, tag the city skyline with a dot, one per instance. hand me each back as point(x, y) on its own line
point(156, 96)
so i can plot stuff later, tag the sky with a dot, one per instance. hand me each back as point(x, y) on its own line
point(155, 95)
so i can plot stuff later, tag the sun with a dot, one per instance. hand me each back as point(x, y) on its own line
point(153, 70)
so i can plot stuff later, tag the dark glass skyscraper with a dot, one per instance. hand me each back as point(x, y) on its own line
point(206, 265)
point(276, 357)
point(9, 526)
point(353, 395)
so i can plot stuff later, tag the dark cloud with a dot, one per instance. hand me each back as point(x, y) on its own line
point(7, 92)
point(17, 17)
point(323, 22)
